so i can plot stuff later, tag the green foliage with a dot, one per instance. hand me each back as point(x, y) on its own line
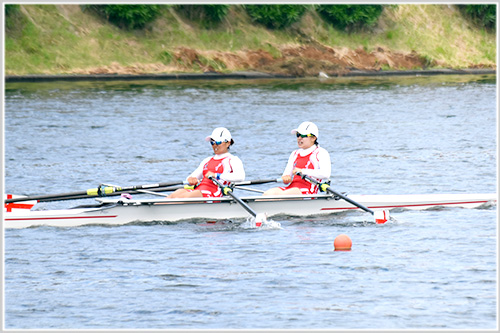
point(165, 57)
point(350, 17)
point(276, 16)
point(11, 9)
point(127, 16)
point(208, 15)
point(482, 15)
point(208, 64)
point(14, 19)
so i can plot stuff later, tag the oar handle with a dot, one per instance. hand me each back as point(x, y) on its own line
point(326, 187)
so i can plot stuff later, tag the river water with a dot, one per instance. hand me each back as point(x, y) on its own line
point(433, 269)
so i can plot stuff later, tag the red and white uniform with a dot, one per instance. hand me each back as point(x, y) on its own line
point(227, 166)
point(314, 162)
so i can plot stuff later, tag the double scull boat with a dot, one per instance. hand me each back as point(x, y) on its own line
point(123, 210)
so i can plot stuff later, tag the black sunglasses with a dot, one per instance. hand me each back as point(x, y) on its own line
point(213, 142)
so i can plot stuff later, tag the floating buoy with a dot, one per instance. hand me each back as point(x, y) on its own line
point(342, 243)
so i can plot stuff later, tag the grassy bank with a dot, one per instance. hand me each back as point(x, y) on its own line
point(57, 39)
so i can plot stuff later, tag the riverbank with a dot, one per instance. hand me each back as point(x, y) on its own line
point(63, 40)
point(235, 75)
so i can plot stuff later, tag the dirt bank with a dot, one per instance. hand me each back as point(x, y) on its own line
point(299, 61)
point(66, 40)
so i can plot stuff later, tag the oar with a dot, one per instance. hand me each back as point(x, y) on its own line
point(258, 181)
point(109, 190)
point(249, 189)
point(152, 191)
point(259, 218)
point(100, 191)
point(380, 216)
point(240, 185)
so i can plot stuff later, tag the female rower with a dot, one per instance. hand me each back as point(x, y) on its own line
point(223, 166)
point(310, 159)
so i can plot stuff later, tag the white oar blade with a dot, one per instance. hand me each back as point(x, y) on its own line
point(381, 216)
point(260, 219)
point(261, 222)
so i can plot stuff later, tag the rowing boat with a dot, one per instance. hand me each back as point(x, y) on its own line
point(123, 210)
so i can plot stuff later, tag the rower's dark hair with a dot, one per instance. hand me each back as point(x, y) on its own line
point(230, 144)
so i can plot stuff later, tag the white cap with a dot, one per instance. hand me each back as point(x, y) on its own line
point(307, 127)
point(220, 134)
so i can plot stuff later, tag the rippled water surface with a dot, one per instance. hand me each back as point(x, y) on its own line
point(433, 269)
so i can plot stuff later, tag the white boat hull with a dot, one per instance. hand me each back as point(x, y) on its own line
point(122, 211)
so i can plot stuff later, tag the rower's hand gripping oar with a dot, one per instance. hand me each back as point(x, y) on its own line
point(260, 218)
point(380, 216)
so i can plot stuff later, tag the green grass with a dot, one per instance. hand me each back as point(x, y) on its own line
point(441, 33)
point(64, 39)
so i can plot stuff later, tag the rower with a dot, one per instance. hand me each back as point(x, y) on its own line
point(223, 166)
point(310, 159)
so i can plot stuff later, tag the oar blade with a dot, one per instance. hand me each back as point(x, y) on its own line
point(261, 222)
point(381, 216)
point(260, 219)
point(15, 206)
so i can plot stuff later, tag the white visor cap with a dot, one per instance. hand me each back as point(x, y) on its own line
point(307, 127)
point(220, 134)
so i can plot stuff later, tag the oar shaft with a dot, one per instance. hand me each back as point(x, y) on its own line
point(366, 209)
point(44, 197)
point(117, 190)
point(259, 181)
point(95, 192)
point(230, 192)
point(85, 196)
point(329, 189)
point(243, 204)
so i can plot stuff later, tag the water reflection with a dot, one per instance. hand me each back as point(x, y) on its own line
point(265, 84)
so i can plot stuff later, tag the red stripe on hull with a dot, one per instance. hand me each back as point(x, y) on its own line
point(62, 218)
point(416, 205)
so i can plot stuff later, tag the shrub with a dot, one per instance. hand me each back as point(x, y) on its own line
point(11, 9)
point(14, 20)
point(208, 15)
point(165, 57)
point(350, 17)
point(276, 16)
point(127, 16)
point(482, 15)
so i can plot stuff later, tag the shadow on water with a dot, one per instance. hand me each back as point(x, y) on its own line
point(381, 82)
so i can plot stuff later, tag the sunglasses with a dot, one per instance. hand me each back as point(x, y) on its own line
point(303, 135)
point(213, 142)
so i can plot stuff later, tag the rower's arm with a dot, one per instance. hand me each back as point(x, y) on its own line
point(325, 166)
point(198, 173)
point(290, 164)
point(233, 170)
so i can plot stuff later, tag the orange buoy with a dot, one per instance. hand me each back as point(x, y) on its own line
point(342, 243)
